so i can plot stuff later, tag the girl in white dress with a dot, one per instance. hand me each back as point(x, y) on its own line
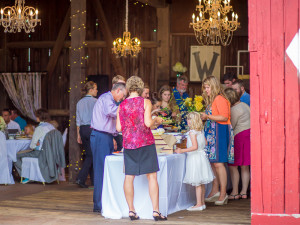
point(198, 169)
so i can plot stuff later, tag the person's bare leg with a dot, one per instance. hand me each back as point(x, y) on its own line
point(222, 176)
point(153, 191)
point(203, 194)
point(215, 187)
point(198, 197)
point(245, 179)
point(235, 179)
point(129, 192)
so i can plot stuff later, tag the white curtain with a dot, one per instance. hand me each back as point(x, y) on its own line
point(24, 89)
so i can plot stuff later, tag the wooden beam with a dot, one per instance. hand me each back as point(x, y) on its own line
point(116, 62)
point(67, 44)
point(59, 112)
point(154, 3)
point(163, 51)
point(64, 29)
point(77, 75)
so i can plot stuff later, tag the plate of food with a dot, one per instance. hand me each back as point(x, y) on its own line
point(158, 131)
point(23, 138)
point(118, 153)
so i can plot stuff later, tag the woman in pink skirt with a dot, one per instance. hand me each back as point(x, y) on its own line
point(240, 120)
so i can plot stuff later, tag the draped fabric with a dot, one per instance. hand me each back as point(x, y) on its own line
point(24, 89)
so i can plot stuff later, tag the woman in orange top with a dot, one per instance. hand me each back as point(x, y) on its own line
point(219, 136)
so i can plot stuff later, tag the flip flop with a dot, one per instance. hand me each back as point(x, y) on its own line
point(244, 196)
point(234, 197)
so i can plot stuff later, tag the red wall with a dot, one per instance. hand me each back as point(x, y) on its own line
point(274, 85)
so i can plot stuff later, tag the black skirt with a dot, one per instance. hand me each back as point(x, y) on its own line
point(141, 160)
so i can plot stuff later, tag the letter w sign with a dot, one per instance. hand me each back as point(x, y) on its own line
point(205, 61)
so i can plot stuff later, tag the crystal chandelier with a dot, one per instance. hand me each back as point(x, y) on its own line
point(212, 26)
point(18, 17)
point(126, 45)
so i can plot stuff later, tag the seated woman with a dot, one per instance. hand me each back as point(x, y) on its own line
point(29, 130)
point(43, 117)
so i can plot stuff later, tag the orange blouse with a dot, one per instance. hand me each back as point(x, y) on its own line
point(221, 106)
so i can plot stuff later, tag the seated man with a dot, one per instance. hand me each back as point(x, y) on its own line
point(36, 144)
point(10, 124)
point(17, 118)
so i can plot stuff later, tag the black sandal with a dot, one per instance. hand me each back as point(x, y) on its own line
point(134, 217)
point(159, 217)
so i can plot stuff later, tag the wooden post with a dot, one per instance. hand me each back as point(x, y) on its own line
point(163, 51)
point(77, 75)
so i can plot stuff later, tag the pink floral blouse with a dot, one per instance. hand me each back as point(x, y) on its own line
point(134, 131)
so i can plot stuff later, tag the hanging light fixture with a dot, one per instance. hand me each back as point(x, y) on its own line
point(18, 17)
point(126, 45)
point(212, 26)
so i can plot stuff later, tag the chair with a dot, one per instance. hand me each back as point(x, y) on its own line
point(45, 168)
point(5, 176)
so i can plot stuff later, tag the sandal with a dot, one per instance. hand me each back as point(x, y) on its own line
point(159, 217)
point(244, 196)
point(134, 217)
point(234, 197)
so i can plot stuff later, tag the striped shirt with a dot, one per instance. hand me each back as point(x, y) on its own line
point(84, 110)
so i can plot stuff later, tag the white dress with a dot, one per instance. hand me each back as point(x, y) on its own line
point(198, 169)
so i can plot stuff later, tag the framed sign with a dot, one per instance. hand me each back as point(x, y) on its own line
point(205, 61)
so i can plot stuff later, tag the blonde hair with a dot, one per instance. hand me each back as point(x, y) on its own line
point(87, 87)
point(135, 84)
point(117, 78)
point(196, 122)
point(31, 129)
point(215, 89)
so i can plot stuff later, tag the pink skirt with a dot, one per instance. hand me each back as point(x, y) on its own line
point(242, 149)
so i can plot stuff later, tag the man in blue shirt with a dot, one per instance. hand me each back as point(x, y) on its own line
point(180, 95)
point(15, 116)
point(239, 87)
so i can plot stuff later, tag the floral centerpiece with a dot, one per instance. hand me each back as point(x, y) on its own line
point(195, 105)
point(2, 124)
point(179, 69)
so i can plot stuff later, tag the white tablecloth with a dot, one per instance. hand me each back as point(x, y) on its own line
point(173, 194)
point(13, 147)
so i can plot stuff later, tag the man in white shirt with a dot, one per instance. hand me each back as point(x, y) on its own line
point(36, 144)
point(10, 124)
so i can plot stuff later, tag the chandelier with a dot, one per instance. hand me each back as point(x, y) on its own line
point(212, 26)
point(18, 17)
point(126, 45)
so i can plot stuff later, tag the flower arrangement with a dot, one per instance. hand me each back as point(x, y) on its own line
point(179, 68)
point(195, 105)
point(2, 124)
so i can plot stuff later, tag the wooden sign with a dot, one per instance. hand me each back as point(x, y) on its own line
point(205, 61)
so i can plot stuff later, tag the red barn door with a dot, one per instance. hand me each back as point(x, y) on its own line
point(274, 43)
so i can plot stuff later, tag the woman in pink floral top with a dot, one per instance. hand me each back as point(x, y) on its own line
point(134, 120)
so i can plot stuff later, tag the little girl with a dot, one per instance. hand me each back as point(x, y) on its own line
point(198, 169)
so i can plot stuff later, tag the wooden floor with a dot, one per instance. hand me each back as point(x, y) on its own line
point(67, 204)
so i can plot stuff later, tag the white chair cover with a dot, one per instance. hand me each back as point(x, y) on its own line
point(5, 176)
point(61, 175)
point(31, 169)
point(64, 136)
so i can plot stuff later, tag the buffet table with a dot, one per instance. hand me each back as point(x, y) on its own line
point(173, 194)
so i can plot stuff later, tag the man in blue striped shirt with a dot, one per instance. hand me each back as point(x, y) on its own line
point(239, 87)
point(84, 111)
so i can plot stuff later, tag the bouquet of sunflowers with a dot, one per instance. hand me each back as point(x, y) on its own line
point(195, 105)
